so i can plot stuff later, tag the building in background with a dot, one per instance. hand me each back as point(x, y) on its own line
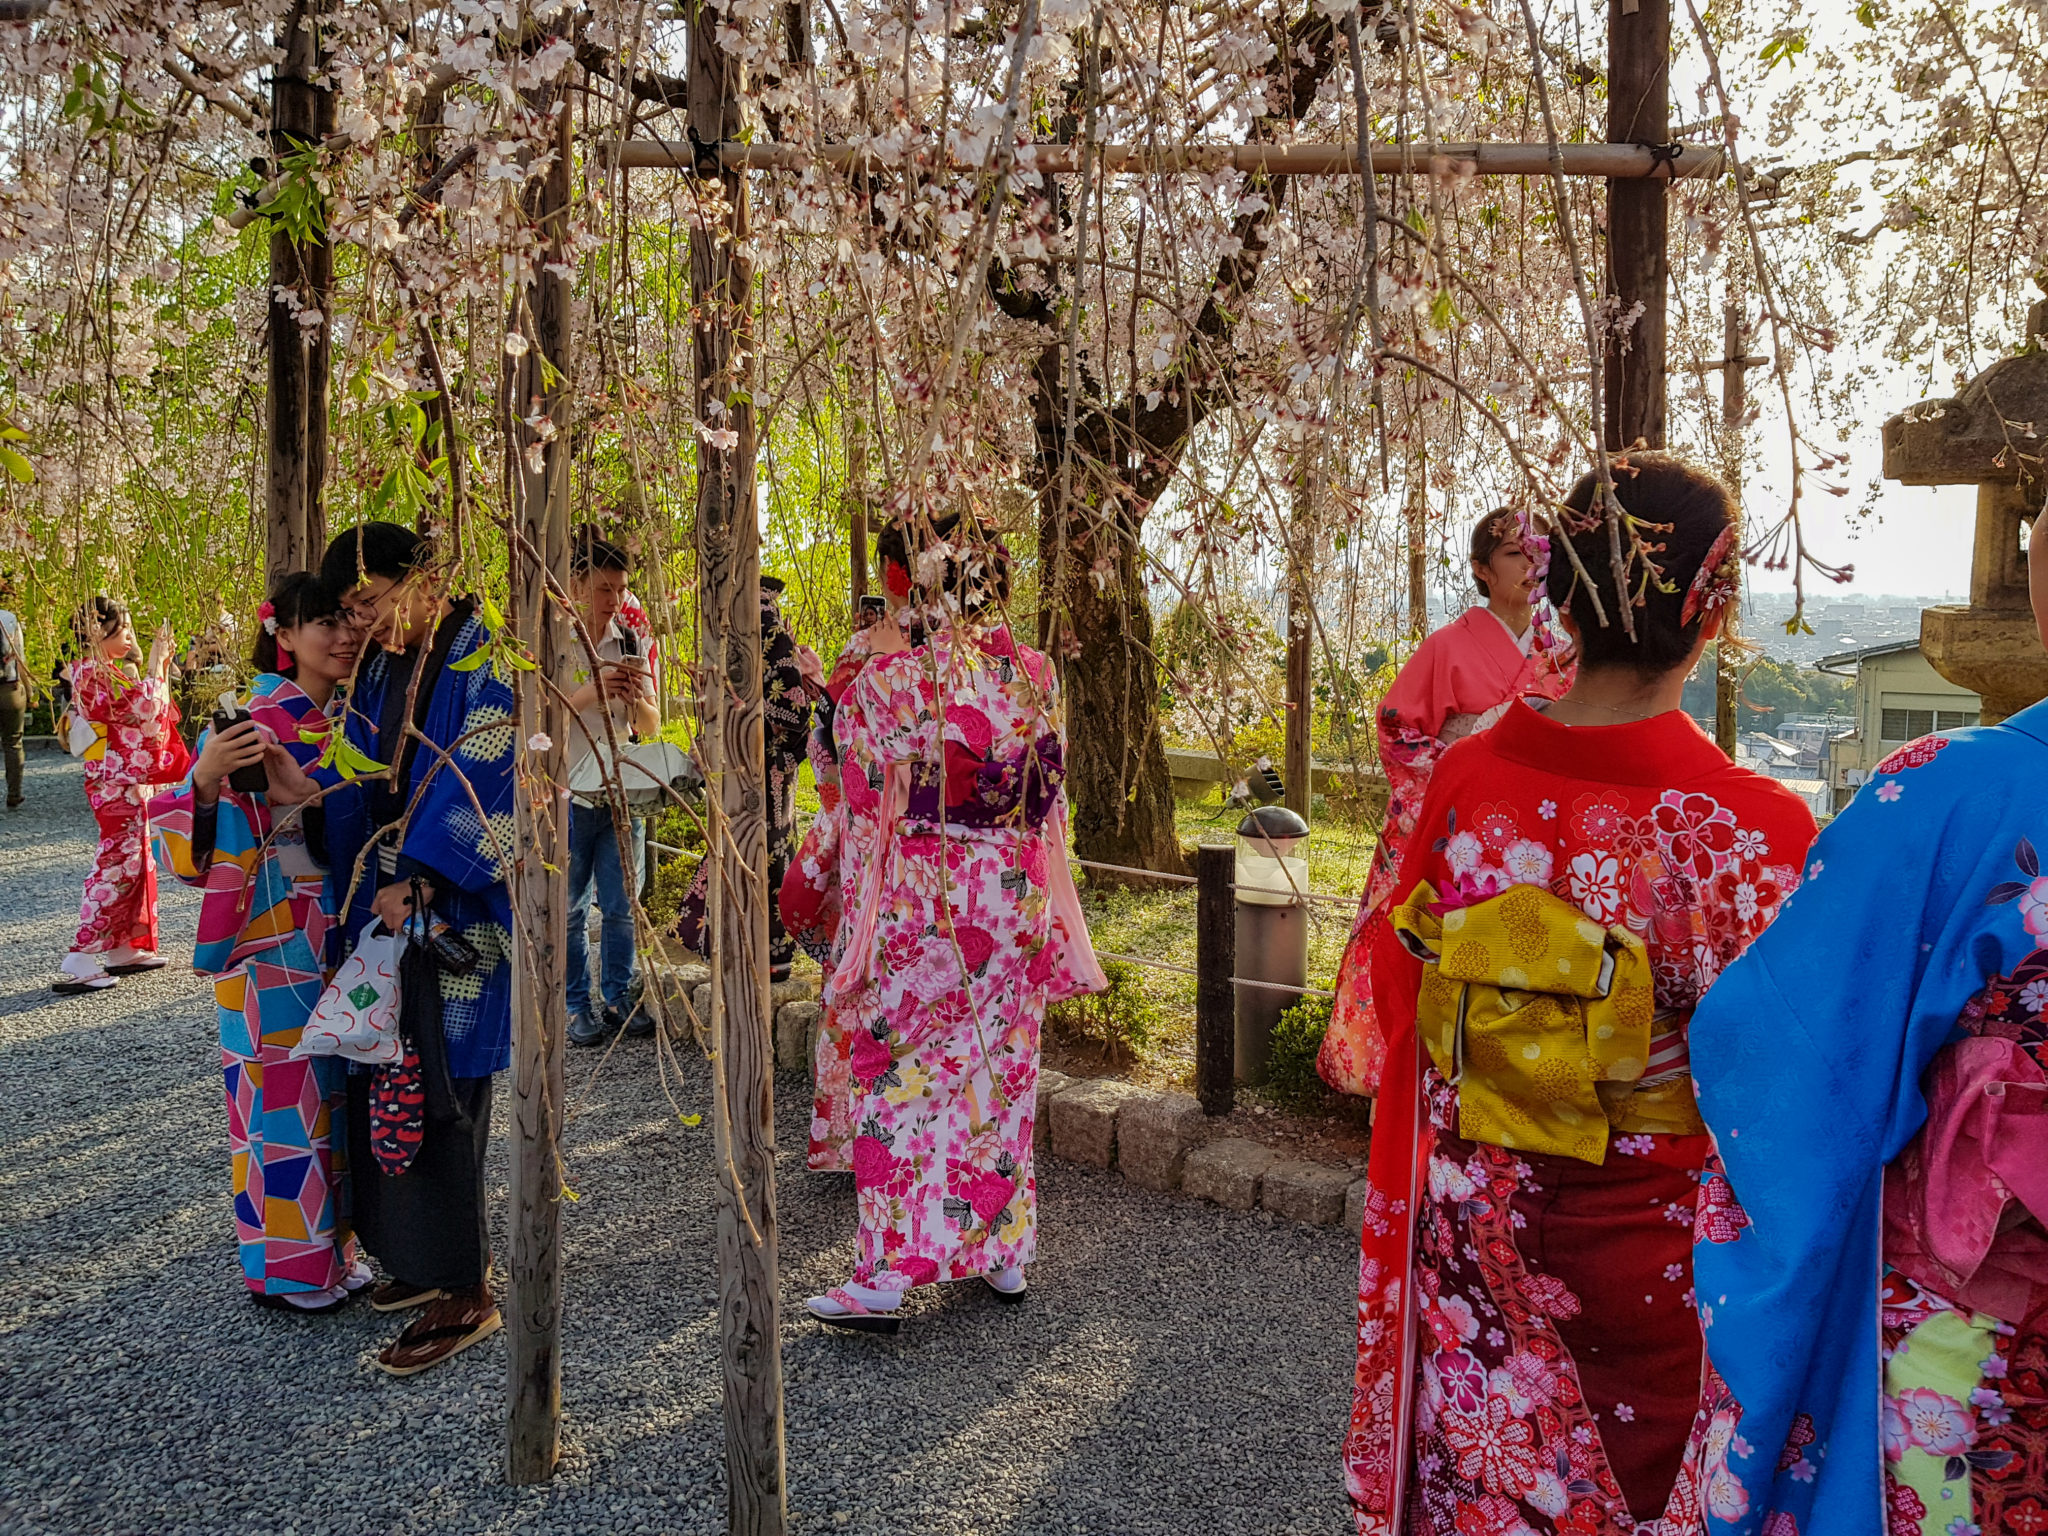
point(1899, 698)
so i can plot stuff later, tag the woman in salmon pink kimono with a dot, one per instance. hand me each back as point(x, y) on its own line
point(135, 746)
point(1459, 681)
point(268, 938)
point(1875, 1073)
point(1529, 1359)
point(964, 925)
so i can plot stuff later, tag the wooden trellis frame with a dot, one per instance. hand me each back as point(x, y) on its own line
point(1638, 274)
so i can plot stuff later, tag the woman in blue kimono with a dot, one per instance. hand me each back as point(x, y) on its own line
point(434, 836)
point(1872, 1270)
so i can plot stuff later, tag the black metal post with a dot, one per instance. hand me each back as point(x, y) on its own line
point(1215, 997)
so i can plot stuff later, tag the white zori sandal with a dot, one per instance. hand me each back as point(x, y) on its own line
point(857, 1308)
point(82, 973)
point(1008, 1284)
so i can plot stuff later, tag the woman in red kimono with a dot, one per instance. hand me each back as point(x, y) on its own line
point(1459, 681)
point(1529, 1359)
point(136, 745)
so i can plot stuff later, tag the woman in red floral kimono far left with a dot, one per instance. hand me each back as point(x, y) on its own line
point(136, 745)
point(1529, 1357)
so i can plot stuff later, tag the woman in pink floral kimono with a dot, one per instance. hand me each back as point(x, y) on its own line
point(1459, 681)
point(965, 925)
point(135, 745)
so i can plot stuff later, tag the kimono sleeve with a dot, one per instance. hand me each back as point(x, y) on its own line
point(446, 840)
point(1808, 1054)
point(787, 702)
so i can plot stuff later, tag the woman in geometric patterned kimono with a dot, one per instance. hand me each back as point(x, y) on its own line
point(135, 745)
point(267, 937)
point(1875, 1073)
point(1459, 681)
point(1529, 1359)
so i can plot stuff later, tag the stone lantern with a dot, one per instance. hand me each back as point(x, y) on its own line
point(1994, 435)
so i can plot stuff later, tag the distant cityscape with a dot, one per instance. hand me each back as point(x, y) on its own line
point(1840, 622)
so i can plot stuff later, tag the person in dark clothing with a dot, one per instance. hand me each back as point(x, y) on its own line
point(786, 726)
point(13, 694)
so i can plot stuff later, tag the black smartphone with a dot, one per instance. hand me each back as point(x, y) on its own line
point(251, 779)
point(873, 608)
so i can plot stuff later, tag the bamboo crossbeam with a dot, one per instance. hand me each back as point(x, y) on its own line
point(1610, 161)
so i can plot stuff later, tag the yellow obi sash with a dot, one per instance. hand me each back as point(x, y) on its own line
point(1545, 1023)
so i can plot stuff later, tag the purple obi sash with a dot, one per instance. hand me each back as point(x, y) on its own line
point(975, 794)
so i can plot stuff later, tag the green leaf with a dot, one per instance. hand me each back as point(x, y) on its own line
point(17, 465)
point(472, 661)
point(1866, 12)
point(1785, 48)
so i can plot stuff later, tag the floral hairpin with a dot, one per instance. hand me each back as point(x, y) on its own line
point(1714, 584)
point(267, 612)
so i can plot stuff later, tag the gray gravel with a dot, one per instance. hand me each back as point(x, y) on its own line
point(1178, 1368)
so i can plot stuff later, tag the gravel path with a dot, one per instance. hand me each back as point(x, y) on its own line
point(1178, 1368)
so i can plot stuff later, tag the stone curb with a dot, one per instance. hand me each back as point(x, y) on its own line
point(1160, 1140)
point(797, 1012)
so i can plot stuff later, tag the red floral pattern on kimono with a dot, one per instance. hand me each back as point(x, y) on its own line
point(813, 910)
point(1529, 1360)
point(962, 928)
point(137, 745)
point(1457, 683)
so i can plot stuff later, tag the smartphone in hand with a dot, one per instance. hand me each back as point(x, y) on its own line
point(250, 778)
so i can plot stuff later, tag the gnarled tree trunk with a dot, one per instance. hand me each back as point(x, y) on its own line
point(1117, 778)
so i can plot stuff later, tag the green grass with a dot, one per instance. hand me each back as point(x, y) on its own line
point(1160, 925)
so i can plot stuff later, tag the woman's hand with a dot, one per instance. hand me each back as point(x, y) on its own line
point(160, 650)
point(289, 783)
point(393, 903)
point(888, 637)
point(237, 747)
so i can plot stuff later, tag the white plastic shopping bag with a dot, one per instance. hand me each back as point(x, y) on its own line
point(357, 1016)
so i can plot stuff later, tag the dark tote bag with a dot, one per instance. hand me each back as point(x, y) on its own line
point(425, 1222)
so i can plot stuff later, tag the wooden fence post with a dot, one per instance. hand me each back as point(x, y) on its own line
point(1215, 961)
point(733, 752)
point(540, 1005)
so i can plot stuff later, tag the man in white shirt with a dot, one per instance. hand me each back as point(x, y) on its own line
point(13, 693)
point(621, 686)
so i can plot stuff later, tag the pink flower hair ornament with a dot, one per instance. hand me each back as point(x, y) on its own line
point(267, 612)
point(1719, 575)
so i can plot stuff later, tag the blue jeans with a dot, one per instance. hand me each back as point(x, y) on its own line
point(594, 865)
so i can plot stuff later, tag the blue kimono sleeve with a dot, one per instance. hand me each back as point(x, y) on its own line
point(462, 831)
point(1808, 1054)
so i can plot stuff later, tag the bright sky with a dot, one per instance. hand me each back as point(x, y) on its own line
point(1916, 543)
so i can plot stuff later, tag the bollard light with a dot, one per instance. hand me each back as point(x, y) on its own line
point(1272, 857)
point(1272, 930)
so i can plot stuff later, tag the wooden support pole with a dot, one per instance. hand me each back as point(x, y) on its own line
point(1296, 770)
point(857, 513)
point(289, 407)
point(319, 269)
point(1415, 520)
point(729, 609)
point(1734, 406)
point(1638, 233)
point(540, 893)
point(1603, 160)
point(1215, 962)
